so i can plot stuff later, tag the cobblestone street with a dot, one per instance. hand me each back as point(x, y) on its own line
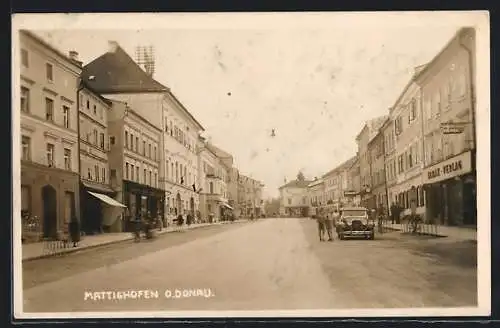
point(266, 265)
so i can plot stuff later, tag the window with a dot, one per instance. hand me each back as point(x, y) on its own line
point(131, 141)
point(171, 130)
point(66, 116)
point(154, 154)
point(95, 109)
point(49, 72)
point(437, 104)
point(211, 187)
point(102, 140)
point(137, 173)
point(126, 139)
point(25, 148)
point(413, 110)
point(26, 199)
point(96, 169)
point(95, 137)
point(150, 175)
point(137, 144)
point(50, 155)
point(409, 162)
point(398, 125)
point(112, 140)
point(145, 176)
point(156, 179)
point(132, 172)
point(144, 148)
point(67, 159)
point(103, 174)
point(400, 164)
point(167, 170)
point(88, 104)
point(49, 109)
point(24, 58)
point(89, 173)
point(149, 150)
point(101, 111)
point(126, 171)
point(25, 100)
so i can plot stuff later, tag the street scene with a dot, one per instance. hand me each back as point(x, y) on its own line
point(270, 264)
point(296, 166)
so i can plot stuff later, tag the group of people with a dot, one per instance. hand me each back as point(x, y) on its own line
point(326, 223)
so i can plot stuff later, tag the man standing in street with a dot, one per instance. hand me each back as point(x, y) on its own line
point(329, 226)
point(321, 226)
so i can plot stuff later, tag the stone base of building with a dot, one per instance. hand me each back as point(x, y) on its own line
point(52, 196)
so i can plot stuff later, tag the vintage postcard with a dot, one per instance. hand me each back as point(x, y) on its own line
point(251, 165)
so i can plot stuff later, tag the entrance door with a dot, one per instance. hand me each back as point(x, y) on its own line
point(179, 204)
point(191, 205)
point(49, 200)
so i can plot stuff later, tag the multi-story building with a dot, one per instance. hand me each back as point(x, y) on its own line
point(294, 198)
point(181, 135)
point(250, 196)
point(352, 194)
point(117, 77)
point(316, 192)
point(214, 174)
point(388, 131)
point(233, 189)
point(336, 184)
point(95, 189)
point(135, 162)
point(448, 91)
point(377, 169)
point(49, 140)
point(368, 132)
point(406, 177)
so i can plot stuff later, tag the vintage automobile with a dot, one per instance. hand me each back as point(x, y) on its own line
point(354, 222)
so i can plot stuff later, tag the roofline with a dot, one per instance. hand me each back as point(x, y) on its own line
point(89, 88)
point(360, 132)
point(44, 43)
point(456, 36)
point(342, 165)
point(185, 109)
point(379, 132)
point(104, 91)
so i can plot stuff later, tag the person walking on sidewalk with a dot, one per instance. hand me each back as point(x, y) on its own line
point(74, 231)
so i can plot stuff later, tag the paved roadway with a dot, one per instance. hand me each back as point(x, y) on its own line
point(265, 265)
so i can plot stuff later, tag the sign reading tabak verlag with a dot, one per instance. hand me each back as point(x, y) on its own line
point(453, 127)
point(452, 167)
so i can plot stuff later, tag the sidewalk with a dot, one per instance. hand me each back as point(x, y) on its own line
point(457, 233)
point(40, 250)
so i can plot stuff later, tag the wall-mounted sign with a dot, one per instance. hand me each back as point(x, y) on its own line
point(453, 127)
point(349, 193)
point(450, 168)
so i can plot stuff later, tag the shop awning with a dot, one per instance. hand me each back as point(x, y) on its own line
point(227, 205)
point(106, 199)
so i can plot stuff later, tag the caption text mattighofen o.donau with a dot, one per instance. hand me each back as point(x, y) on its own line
point(147, 294)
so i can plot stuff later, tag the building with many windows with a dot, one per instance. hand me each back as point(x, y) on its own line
point(250, 196)
point(336, 184)
point(448, 93)
point(377, 169)
point(117, 77)
point(94, 165)
point(135, 163)
point(49, 143)
point(352, 194)
point(317, 199)
point(406, 162)
point(294, 199)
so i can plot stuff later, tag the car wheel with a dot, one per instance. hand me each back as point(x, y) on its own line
point(372, 236)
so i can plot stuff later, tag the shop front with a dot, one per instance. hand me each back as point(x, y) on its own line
point(100, 212)
point(143, 200)
point(49, 201)
point(450, 189)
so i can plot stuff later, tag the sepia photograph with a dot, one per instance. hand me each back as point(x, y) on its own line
point(328, 164)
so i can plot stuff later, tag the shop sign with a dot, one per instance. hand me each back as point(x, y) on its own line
point(449, 168)
point(350, 193)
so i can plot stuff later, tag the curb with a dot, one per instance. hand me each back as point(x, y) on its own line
point(128, 238)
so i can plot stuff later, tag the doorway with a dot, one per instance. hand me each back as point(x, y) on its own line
point(179, 204)
point(191, 205)
point(49, 200)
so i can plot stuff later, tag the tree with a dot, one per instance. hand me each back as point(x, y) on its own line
point(300, 176)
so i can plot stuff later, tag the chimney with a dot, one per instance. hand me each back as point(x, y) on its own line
point(73, 55)
point(112, 46)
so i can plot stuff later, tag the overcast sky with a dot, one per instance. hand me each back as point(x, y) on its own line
point(315, 86)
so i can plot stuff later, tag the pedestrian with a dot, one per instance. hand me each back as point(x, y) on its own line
point(321, 226)
point(336, 217)
point(329, 226)
point(74, 230)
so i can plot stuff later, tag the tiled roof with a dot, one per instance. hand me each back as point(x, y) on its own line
point(296, 184)
point(218, 152)
point(346, 165)
point(116, 72)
